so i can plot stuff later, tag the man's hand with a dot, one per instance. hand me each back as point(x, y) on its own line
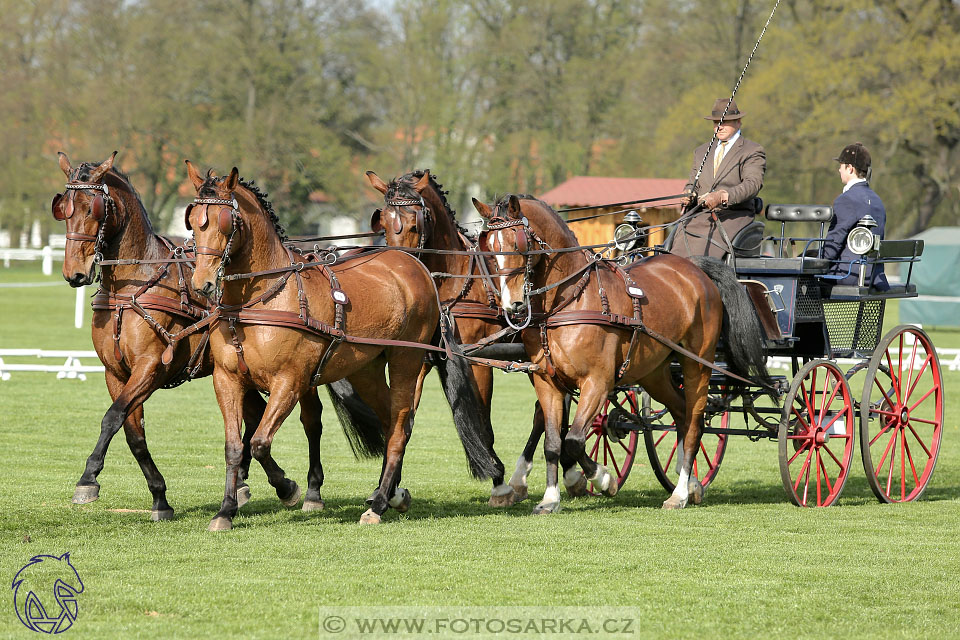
point(715, 199)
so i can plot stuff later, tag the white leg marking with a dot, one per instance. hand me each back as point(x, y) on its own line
point(519, 477)
point(572, 476)
point(601, 479)
point(682, 491)
point(551, 496)
point(398, 495)
point(501, 490)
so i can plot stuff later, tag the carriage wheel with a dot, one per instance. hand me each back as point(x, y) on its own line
point(661, 444)
point(613, 448)
point(901, 415)
point(816, 435)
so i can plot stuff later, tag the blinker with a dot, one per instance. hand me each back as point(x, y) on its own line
point(57, 207)
point(225, 221)
point(97, 209)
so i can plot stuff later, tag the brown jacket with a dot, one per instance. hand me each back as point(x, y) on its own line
point(741, 172)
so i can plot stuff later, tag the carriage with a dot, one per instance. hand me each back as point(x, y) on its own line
point(846, 382)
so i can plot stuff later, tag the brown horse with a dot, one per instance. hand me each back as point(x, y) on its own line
point(416, 214)
point(587, 333)
point(136, 310)
point(352, 319)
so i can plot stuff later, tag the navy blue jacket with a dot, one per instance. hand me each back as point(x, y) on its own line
point(858, 201)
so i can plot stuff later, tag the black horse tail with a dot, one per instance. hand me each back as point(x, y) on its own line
point(361, 426)
point(469, 416)
point(742, 333)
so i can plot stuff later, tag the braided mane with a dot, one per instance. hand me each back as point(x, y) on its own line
point(208, 188)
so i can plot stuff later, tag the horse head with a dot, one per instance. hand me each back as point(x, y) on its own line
point(406, 220)
point(215, 242)
point(508, 234)
point(90, 211)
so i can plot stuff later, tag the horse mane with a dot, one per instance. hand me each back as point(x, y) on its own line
point(407, 181)
point(117, 178)
point(251, 186)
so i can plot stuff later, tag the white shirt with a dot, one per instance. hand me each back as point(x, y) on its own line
point(847, 186)
point(726, 145)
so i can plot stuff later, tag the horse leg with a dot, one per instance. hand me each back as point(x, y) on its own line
point(253, 406)
point(551, 400)
point(311, 410)
point(592, 397)
point(283, 397)
point(126, 396)
point(573, 479)
point(230, 396)
point(696, 380)
point(137, 441)
point(402, 363)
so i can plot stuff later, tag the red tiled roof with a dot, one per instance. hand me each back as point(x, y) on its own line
point(586, 191)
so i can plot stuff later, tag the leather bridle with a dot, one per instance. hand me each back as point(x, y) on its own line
point(101, 207)
point(524, 238)
point(423, 215)
point(229, 224)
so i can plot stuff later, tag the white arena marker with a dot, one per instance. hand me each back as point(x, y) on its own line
point(78, 313)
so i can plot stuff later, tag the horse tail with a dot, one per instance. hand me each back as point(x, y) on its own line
point(470, 418)
point(742, 333)
point(361, 425)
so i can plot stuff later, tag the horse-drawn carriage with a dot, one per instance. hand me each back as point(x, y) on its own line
point(829, 335)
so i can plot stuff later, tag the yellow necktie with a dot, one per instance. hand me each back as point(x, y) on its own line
point(718, 156)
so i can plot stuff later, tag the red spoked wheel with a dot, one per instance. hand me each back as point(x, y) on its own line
point(660, 440)
point(901, 415)
point(816, 435)
point(615, 448)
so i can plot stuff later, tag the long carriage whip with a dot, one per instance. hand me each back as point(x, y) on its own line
point(703, 161)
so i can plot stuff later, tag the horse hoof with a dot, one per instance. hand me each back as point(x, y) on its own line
point(578, 488)
point(293, 499)
point(370, 517)
point(86, 493)
point(696, 492)
point(243, 495)
point(506, 500)
point(313, 505)
point(520, 492)
point(546, 507)
point(401, 500)
point(220, 524)
point(612, 488)
point(161, 514)
point(673, 502)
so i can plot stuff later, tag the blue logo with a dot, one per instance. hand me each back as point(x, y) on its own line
point(45, 594)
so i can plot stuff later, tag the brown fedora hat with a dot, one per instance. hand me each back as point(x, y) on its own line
point(733, 113)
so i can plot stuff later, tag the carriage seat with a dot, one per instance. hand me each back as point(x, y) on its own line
point(904, 252)
point(800, 212)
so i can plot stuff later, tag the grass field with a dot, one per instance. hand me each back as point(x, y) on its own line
point(745, 564)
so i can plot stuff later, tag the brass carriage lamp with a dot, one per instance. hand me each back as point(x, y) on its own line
point(626, 236)
point(862, 241)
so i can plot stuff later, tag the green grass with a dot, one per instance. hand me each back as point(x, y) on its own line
point(746, 564)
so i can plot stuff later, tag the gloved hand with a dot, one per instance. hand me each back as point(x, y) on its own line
point(714, 199)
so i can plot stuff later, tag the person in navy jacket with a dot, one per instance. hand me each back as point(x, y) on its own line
point(856, 201)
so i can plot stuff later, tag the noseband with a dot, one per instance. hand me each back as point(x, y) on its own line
point(229, 224)
point(424, 216)
point(100, 209)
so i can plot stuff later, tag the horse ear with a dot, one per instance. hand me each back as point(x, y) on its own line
point(376, 225)
point(423, 182)
point(233, 180)
point(64, 164)
point(513, 207)
point(481, 208)
point(376, 182)
point(100, 171)
point(194, 175)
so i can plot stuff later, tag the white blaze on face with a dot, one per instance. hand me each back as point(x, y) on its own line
point(505, 300)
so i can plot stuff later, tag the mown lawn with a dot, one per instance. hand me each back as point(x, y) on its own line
point(745, 564)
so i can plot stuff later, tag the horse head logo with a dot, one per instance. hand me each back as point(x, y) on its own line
point(45, 593)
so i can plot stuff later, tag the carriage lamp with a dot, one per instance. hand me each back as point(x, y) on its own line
point(862, 240)
point(625, 236)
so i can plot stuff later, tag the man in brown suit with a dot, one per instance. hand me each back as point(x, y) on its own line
point(732, 176)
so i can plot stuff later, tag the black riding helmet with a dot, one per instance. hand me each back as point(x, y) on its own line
point(855, 155)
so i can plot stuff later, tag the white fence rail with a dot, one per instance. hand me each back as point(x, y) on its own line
point(71, 369)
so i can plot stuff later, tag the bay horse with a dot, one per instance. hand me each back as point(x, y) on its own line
point(143, 303)
point(353, 319)
point(598, 326)
point(416, 214)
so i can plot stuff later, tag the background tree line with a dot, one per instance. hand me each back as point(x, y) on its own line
point(494, 96)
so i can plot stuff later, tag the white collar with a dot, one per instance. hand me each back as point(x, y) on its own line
point(729, 143)
point(847, 186)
